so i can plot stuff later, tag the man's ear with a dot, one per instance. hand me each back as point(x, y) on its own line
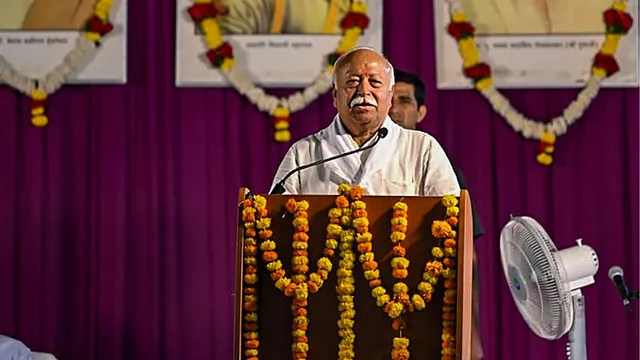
point(334, 93)
point(422, 112)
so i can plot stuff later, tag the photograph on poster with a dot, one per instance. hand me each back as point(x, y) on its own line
point(250, 17)
point(280, 43)
point(45, 14)
point(534, 43)
point(536, 17)
point(36, 35)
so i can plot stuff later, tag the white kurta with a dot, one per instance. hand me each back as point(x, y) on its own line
point(405, 162)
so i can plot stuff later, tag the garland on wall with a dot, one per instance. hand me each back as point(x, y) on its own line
point(617, 22)
point(85, 48)
point(220, 55)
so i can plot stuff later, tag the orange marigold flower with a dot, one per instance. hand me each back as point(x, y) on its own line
point(301, 236)
point(290, 289)
point(291, 205)
point(342, 202)
point(450, 243)
point(277, 274)
point(399, 213)
point(269, 256)
point(400, 273)
point(313, 287)
point(356, 193)
point(399, 250)
point(364, 247)
point(450, 284)
point(370, 265)
point(449, 262)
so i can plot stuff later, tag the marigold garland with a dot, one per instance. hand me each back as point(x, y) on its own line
point(96, 27)
point(401, 302)
point(346, 281)
point(348, 223)
point(220, 55)
point(250, 296)
point(299, 286)
point(300, 267)
point(298, 283)
point(617, 22)
point(446, 231)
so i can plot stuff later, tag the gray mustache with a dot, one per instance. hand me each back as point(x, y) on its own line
point(363, 100)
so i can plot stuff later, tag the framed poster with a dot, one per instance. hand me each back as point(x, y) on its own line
point(36, 35)
point(279, 43)
point(535, 43)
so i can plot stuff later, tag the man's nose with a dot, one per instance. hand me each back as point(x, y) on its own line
point(364, 88)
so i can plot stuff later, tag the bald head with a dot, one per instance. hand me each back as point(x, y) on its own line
point(362, 91)
point(349, 56)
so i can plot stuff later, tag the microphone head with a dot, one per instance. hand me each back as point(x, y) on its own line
point(383, 132)
point(615, 271)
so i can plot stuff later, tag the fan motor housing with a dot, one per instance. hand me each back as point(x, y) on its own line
point(580, 264)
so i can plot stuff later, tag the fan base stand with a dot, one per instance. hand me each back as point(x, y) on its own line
point(577, 343)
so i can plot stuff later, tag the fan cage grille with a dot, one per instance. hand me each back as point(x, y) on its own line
point(526, 246)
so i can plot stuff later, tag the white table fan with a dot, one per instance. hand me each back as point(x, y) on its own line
point(546, 282)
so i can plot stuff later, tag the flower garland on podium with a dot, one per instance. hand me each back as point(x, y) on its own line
point(445, 230)
point(299, 286)
point(617, 23)
point(40, 89)
point(345, 288)
point(348, 225)
point(220, 55)
point(401, 302)
point(250, 279)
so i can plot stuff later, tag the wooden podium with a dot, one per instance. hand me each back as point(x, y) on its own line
point(373, 330)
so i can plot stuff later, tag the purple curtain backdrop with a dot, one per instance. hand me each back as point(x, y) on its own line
point(117, 221)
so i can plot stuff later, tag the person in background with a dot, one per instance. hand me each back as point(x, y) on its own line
point(408, 109)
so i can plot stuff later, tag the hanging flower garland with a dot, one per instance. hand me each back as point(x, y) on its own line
point(220, 55)
point(299, 286)
point(86, 46)
point(346, 281)
point(617, 22)
point(401, 302)
point(300, 267)
point(445, 231)
point(250, 289)
point(300, 261)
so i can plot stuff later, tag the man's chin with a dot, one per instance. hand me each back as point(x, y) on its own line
point(364, 117)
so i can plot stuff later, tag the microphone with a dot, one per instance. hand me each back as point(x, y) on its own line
point(279, 188)
point(617, 276)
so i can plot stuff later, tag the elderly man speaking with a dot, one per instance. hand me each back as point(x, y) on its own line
point(404, 162)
